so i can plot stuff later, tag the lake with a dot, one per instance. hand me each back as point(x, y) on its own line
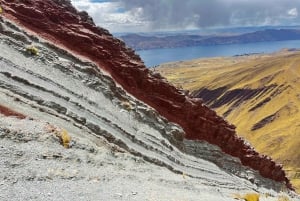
point(155, 57)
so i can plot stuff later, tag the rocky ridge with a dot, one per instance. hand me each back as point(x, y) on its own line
point(58, 22)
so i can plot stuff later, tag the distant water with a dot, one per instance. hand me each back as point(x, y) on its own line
point(157, 56)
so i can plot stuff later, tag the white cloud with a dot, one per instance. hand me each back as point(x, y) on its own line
point(112, 16)
point(156, 15)
point(293, 12)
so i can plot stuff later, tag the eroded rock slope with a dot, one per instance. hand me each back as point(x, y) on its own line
point(54, 85)
point(118, 142)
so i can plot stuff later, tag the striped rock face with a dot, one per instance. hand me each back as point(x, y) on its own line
point(90, 84)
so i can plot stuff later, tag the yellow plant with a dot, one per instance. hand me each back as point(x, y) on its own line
point(65, 138)
point(61, 134)
point(1, 10)
point(32, 50)
point(127, 105)
point(247, 197)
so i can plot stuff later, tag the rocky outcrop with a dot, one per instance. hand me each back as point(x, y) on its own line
point(57, 21)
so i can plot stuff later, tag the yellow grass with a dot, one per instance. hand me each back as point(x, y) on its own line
point(279, 138)
point(247, 197)
point(65, 138)
point(32, 50)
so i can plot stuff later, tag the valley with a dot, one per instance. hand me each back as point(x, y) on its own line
point(260, 94)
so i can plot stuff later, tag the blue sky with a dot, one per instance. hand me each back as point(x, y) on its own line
point(158, 15)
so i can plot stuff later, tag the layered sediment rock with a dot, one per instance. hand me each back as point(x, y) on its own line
point(8, 112)
point(58, 22)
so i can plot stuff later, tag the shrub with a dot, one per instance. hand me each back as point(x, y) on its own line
point(127, 105)
point(247, 197)
point(32, 50)
point(65, 138)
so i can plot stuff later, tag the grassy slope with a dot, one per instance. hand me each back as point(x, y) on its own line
point(279, 135)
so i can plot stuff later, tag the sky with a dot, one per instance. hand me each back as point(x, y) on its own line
point(170, 15)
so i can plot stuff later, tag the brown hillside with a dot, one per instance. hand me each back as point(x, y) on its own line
point(260, 94)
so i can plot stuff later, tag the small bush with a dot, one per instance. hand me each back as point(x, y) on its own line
point(65, 138)
point(247, 197)
point(127, 105)
point(1, 10)
point(62, 135)
point(32, 50)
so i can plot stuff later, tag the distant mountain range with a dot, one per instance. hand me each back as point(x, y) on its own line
point(144, 42)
